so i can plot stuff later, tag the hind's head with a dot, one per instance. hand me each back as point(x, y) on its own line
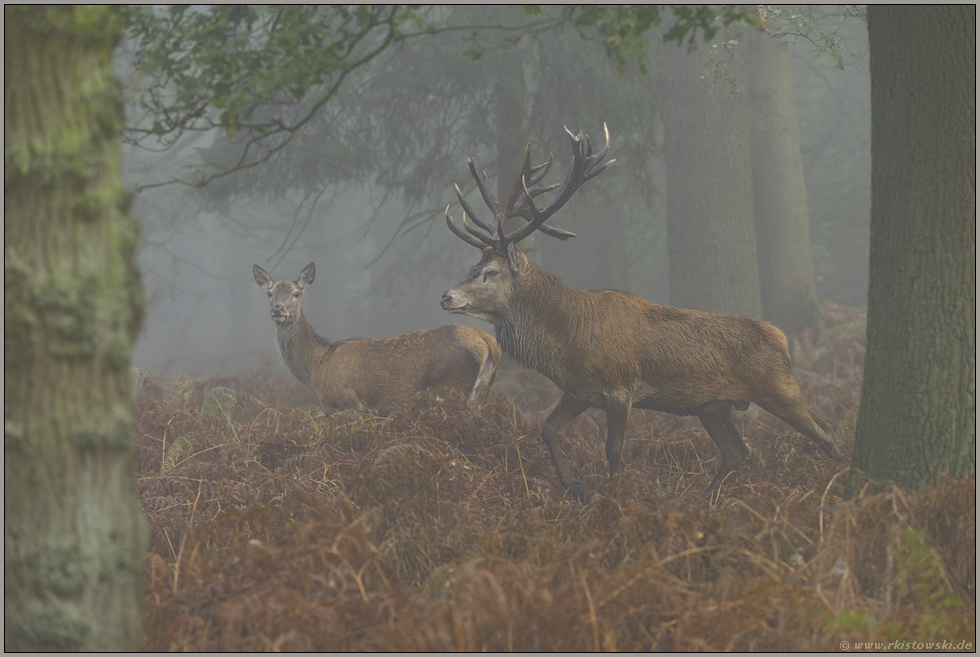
point(285, 296)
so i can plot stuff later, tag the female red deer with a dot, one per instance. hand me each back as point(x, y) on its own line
point(613, 350)
point(376, 374)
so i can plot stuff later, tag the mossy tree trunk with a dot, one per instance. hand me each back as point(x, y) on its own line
point(74, 533)
point(710, 218)
point(782, 225)
point(918, 405)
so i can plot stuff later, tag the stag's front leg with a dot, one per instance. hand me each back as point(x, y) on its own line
point(567, 410)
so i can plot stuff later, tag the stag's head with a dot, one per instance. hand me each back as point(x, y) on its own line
point(490, 283)
point(284, 296)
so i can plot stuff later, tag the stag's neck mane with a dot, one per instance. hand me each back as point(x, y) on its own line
point(538, 327)
point(301, 349)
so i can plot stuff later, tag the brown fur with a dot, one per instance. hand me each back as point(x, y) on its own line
point(377, 374)
point(614, 350)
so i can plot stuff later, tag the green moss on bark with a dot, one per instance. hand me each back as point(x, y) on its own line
point(75, 534)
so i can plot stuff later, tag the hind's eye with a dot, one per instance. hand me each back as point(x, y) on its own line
point(295, 294)
point(270, 294)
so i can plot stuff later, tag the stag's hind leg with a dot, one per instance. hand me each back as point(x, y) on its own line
point(617, 415)
point(567, 410)
point(720, 426)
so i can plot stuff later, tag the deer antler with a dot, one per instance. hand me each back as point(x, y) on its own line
point(519, 201)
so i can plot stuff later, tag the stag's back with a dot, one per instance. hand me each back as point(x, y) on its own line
point(594, 342)
point(680, 359)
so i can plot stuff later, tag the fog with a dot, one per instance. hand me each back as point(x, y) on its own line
point(382, 251)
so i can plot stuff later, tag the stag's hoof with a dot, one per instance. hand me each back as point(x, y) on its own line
point(578, 490)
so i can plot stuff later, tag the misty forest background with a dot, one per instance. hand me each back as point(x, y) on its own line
point(361, 187)
point(818, 173)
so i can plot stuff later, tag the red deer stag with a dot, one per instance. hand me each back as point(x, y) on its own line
point(376, 374)
point(613, 350)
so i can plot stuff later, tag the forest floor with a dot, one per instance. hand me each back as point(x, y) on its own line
point(440, 527)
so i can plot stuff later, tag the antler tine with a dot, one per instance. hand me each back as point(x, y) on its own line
point(581, 171)
point(489, 241)
point(599, 157)
point(556, 232)
point(467, 210)
point(498, 231)
point(537, 174)
point(460, 234)
point(542, 190)
point(593, 174)
point(535, 222)
point(484, 186)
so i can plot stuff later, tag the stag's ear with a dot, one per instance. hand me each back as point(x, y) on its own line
point(512, 257)
point(518, 263)
point(262, 277)
point(306, 276)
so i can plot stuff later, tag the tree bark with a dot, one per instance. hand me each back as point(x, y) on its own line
point(782, 226)
point(509, 102)
point(918, 406)
point(74, 533)
point(710, 218)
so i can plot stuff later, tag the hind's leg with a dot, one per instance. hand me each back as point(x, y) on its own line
point(481, 387)
point(719, 425)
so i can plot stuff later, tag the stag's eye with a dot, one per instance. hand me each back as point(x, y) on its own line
point(490, 273)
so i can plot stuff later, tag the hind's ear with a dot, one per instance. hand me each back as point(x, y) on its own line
point(306, 276)
point(262, 277)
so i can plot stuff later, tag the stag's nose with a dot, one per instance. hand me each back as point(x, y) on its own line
point(446, 301)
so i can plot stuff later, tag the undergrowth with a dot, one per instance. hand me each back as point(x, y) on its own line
point(439, 527)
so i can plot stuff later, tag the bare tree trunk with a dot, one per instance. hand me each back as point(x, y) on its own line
point(918, 404)
point(710, 217)
point(609, 247)
point(782, 225)
point(596, 258)
point(74, 533)
point(510, 102)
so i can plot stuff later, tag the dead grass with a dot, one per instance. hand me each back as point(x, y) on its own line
point(443, 528)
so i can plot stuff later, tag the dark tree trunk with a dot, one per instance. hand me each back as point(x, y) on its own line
point(918, 405)
point(782, 226)
point(710, 218)
point(74, 534)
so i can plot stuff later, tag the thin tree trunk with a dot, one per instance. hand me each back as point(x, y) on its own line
point(510, 106)
point(782, 226)
point(609, 248)
point(74, 534)
point(918, 404)
point(710, 218)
